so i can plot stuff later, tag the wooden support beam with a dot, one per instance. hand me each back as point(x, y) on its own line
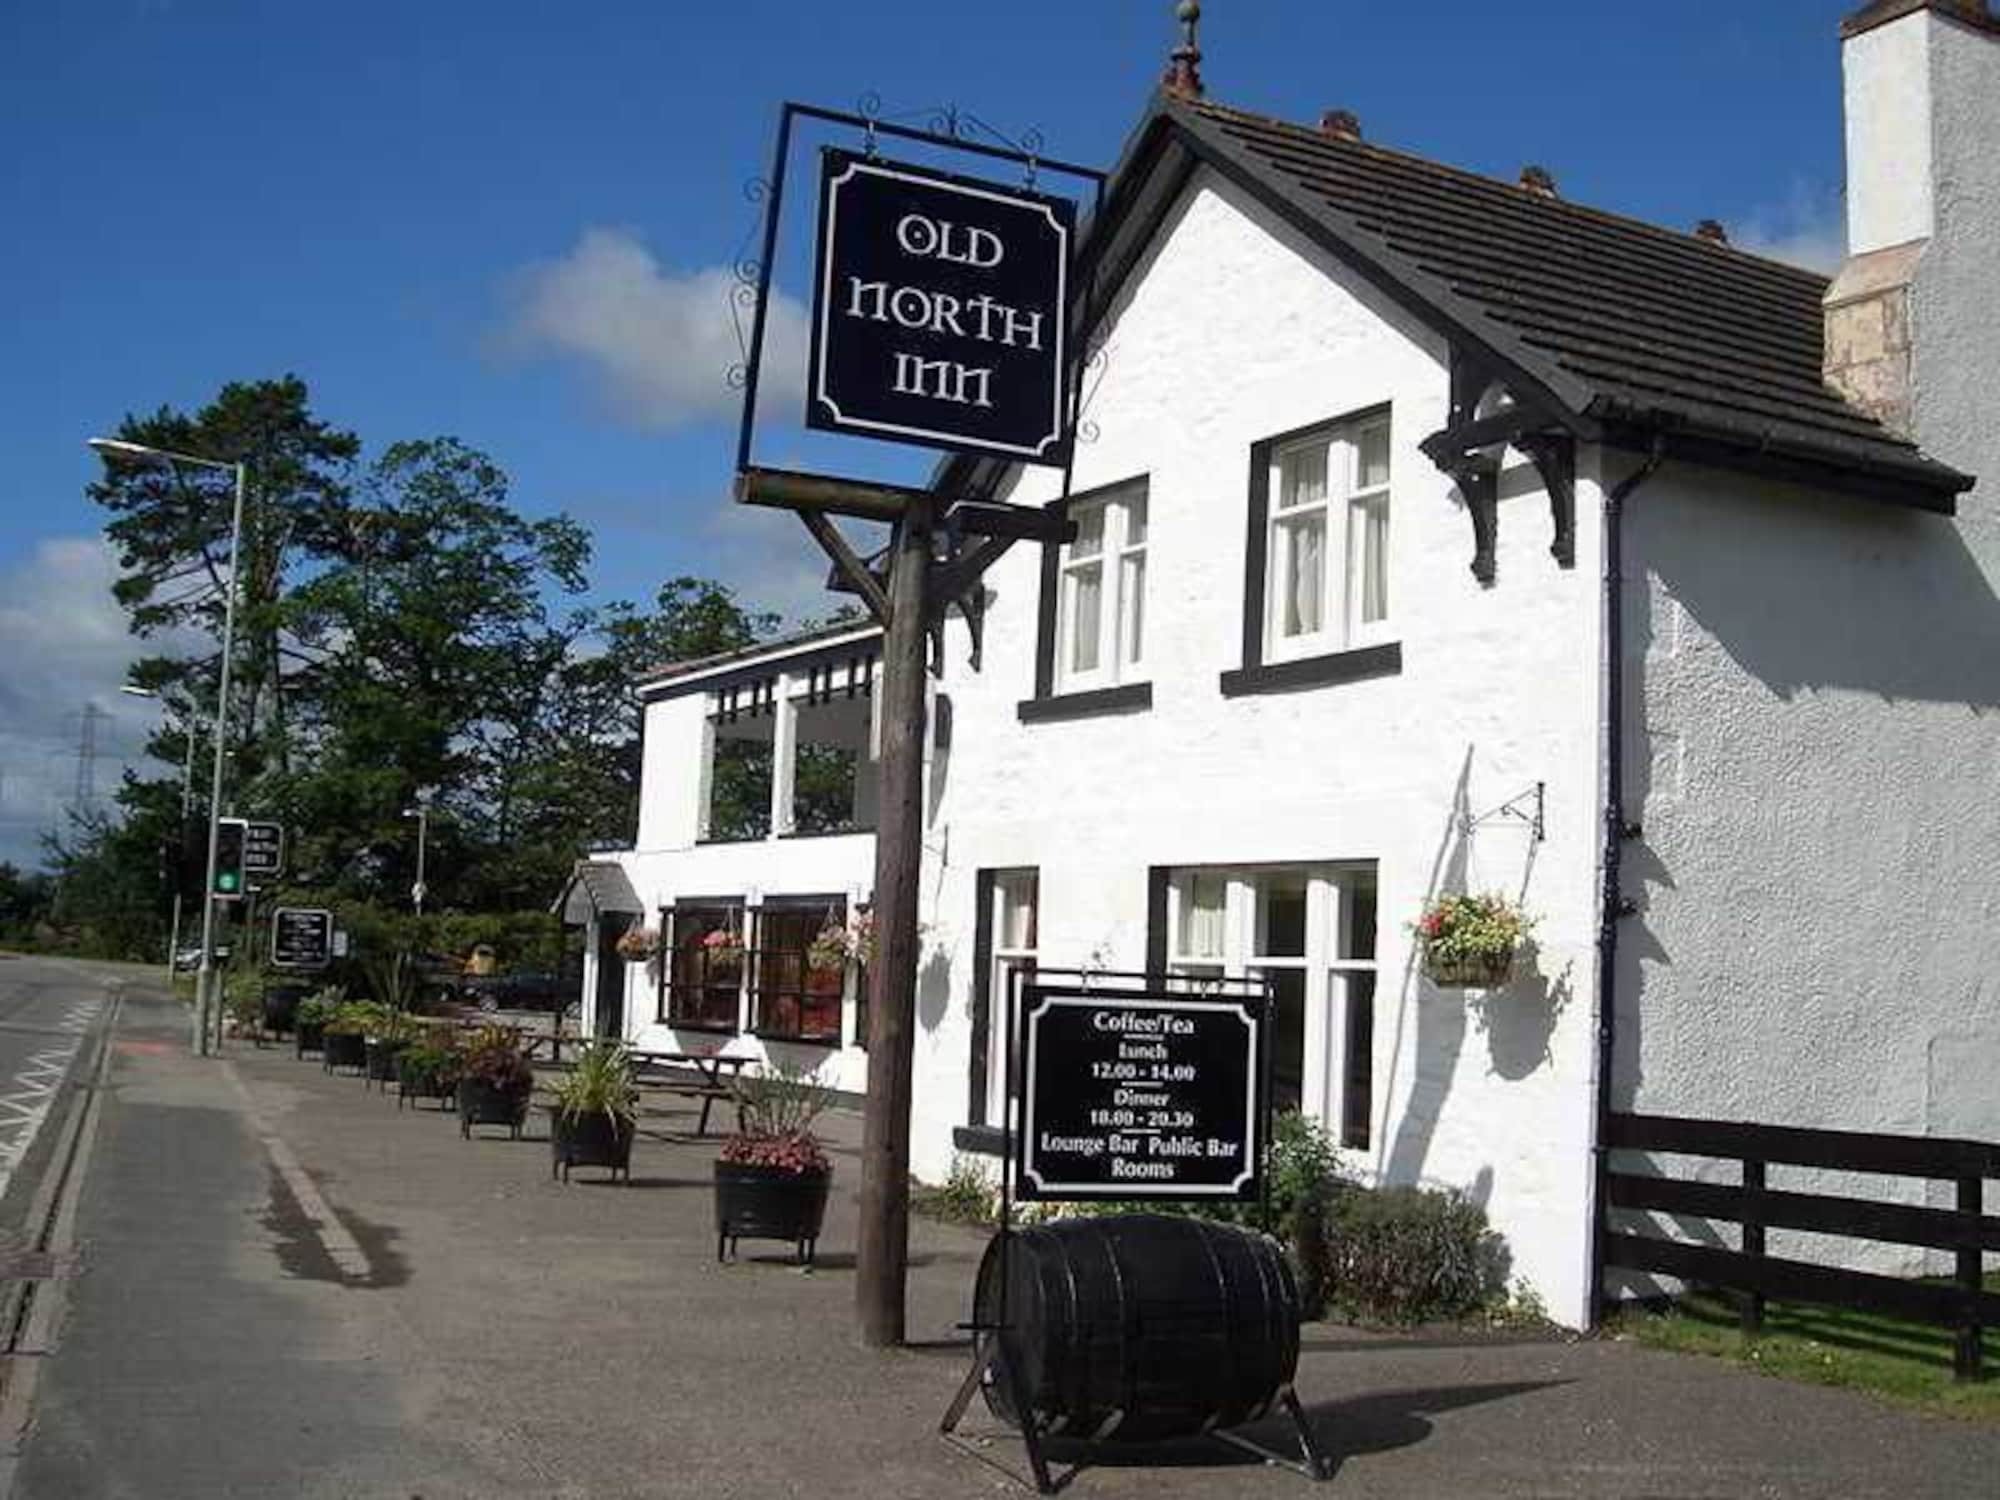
point(1021, 523)
point(865, 500)
point(853, 571)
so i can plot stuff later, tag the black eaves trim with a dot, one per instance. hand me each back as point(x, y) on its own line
point(979, 1140)
point(1315, 671)
point(1127, 698)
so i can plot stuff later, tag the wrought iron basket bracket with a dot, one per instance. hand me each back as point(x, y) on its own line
point(1524, 807)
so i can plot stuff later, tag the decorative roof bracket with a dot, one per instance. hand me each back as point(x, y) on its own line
point(1554, 457)
point(1468, 449)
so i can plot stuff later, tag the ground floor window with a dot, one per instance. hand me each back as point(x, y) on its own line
point(1005, 947)
point(702, 975)
point(1311, 930)
point(791, 998)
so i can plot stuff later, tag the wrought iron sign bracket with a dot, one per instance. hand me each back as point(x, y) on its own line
point(1524, 807)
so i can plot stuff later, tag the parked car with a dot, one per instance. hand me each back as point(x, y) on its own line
point(525, 989)
point(189, 959)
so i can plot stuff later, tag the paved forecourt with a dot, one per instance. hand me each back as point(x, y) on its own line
point(291, 1287)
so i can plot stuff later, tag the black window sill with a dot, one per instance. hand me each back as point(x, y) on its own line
point(1126, 698)
point(735, 838)
point(979, 1140)
point(1315, 671)
point(831, 1042)
point(827, 833)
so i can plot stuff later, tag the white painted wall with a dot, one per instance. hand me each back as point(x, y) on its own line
point(1888, 122)
point(1236, 331)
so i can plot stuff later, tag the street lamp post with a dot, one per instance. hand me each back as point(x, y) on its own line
point(180, 833)
point(114, 450)
point(422, 813)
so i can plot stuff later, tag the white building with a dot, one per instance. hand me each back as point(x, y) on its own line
point(1260, 711)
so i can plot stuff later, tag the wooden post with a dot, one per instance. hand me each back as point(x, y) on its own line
point(1968, 1352)
point(882, 1248)
point(1753, 1240)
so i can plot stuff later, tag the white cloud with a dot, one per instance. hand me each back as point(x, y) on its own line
point(772, 563)
point(66, 649)
point(1808, 228)
point(660, 342)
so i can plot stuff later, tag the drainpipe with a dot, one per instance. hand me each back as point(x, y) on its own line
point(1611, 904)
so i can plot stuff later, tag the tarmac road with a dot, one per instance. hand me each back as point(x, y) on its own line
point(49, 1008)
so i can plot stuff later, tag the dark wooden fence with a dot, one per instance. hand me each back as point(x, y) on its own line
point(1962, 1305)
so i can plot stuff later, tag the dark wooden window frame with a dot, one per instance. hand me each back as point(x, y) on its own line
point(1350, 665)
point(759, 956)
point(668, 986)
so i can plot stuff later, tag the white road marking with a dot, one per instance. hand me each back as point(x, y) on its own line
point(341, 1247)
point(32, 1090)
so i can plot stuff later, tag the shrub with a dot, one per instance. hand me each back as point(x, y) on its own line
point(495, 1057)
point(777, 1110)
point(599, 1082)
point(965, 1196)
point(1411, 1255)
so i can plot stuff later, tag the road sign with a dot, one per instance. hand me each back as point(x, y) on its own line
point(1146, 1092)
point(301, 937)
point(940, 311)
point(229, 879)
point(263, 848)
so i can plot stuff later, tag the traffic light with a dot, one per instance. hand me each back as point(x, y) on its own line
point(229, 858)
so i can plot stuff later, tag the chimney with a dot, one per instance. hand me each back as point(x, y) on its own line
point(1539, 181)
point(1340, 125)
point(1923, 220)
point(1712, 231)
point(1183, 76)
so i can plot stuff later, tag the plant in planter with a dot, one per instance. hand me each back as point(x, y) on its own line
point(1470, 941)
point(638, 944)
point(309, 1023)
point(392, 1034)
point(494, 1081)
point(428, 1068)
point(772, 1177)
point(346, 1034)
point(595, 1112)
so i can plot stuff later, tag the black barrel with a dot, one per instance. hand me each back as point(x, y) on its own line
point(1139, 1327)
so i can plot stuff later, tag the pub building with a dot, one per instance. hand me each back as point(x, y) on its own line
point(1714, 700)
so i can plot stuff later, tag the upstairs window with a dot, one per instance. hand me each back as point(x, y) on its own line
point(1327, 577)
point(1100, 638)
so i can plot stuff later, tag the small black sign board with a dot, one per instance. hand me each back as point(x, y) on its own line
point(263, 848)
point(301, 937)
point(940, 311)
point(1139, 1093)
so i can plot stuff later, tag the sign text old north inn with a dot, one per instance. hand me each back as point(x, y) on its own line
point(939, 310)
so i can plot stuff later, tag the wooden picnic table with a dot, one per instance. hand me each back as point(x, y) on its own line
point(708, 1084)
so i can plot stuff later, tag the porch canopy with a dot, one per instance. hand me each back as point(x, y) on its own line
point(596, 889)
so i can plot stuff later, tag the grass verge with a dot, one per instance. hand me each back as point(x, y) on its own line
point(1906, 1363)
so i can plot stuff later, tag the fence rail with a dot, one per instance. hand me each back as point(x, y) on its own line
point(1962, 1306)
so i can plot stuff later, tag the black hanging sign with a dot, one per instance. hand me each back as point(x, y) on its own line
point(263, 848)
point(940, 311)
point(301, 937)
point(1134, 1094)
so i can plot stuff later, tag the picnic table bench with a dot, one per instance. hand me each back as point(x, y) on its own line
point(697, 1075)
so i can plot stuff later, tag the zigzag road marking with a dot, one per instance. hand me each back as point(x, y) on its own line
point(35, 1087)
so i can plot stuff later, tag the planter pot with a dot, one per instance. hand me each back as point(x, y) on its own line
point(590, 1140)
point(479, 1103)
point(1477, 971)
point(345, 1049)
point(764, 1203)
point(310, 1036)
point(381, 1060)
point(281, 1007)
point(422, 1083)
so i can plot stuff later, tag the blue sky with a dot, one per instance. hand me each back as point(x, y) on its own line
point(507, 221)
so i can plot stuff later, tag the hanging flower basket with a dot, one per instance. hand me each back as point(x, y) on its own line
point(723, 950)
point(1469, 942)
point(638, 943)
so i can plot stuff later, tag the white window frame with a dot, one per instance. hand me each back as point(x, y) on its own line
point(1343, 548)
point(1121, 605)
point(1328, 888)
point(1004, 959)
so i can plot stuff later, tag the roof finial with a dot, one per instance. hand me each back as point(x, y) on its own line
point(1183, 75)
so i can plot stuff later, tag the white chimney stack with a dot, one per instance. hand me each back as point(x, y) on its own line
point(1909, 320)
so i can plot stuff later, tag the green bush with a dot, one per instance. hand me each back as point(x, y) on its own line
point(1411, 1255)
point(966, 1196)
